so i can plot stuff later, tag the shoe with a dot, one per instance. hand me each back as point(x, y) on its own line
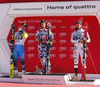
point(15, 72)
point(48, 72)
point(75, 78)
point(23, 72)
point(85, 79)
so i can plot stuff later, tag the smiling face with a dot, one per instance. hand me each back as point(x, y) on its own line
point(23, 27)
point(78, 25)
point(43, 25)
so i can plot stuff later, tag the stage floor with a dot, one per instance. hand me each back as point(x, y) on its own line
point(93, 79)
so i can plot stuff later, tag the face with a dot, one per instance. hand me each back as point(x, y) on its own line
point(78, 25)
point(43, 25)
point(23, 27)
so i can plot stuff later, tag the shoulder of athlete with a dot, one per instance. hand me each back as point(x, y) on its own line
point(25, 35)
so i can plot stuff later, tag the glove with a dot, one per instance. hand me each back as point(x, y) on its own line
point(40, 40)
point(83, 41)
point(10, 43)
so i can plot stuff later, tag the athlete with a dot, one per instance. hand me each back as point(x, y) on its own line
point(78, 39)
point(42, 38)
point(20, 38)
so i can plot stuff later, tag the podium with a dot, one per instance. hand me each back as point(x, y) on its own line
point(61, 79)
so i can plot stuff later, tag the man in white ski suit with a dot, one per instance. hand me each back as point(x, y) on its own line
point(78, 39)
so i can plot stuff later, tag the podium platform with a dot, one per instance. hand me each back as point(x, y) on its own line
point(59, 79)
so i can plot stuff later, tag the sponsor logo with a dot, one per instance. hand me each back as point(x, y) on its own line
point(72, 27)
point(71, 49)
point(31, 28)
point(44, 79)
point(62, 48)
point(30, 21)
point(62, 34)
point(62, 56)
point(31, 34)
point(53, 41)
point(52, 55)
point(62, 41)
point(30, 78)
point(54, 34)
point(53, 27)
point(30, 42)
point(53, 48)
point(18, 27)
point(63, 27)
point(71, 56)
point(25, 21)
point(30, 55)
point(30, 48)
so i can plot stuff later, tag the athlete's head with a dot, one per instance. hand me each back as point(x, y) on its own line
point(78, 24)
point(24, 26)
point(42, 23)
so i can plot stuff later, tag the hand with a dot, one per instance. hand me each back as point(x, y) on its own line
point(10, 43)
point(83, 41)
point(40, 40)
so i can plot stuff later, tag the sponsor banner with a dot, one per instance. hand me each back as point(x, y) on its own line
point(61, 54)
point(70, 7)
point(26, 8)
point(55, 7)
point(46, 79)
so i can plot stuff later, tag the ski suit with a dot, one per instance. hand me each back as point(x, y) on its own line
point(19, 48)
point(78, 47)
point(42, 48)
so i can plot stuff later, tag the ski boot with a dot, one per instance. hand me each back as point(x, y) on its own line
point(85, 79)
point(43, 70)
point(23, 72)
point(16, 74)
point(75, 78)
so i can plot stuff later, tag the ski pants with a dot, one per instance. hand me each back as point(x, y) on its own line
point(19, 52)
point(79, 50)
point(43, 55)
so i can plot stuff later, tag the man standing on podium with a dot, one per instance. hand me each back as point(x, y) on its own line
point(42, 39)
point(79, 40)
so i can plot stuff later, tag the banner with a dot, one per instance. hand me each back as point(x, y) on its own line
point(61, 56)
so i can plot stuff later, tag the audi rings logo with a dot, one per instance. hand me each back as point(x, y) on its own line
point(54, 34)
point(52, 55)
point(62, 55)
point(30, 48)
point(31, 42)
point(71, 56)
point(62, 48)
point(31, 34)
point(62, 41)
point(53, 48)
point(54, 41)
point(53, 27)
point(71, 49)
point(62, 34)
point(31, 28)
point(63, 27)
point(72, 27)
point(30, 55)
